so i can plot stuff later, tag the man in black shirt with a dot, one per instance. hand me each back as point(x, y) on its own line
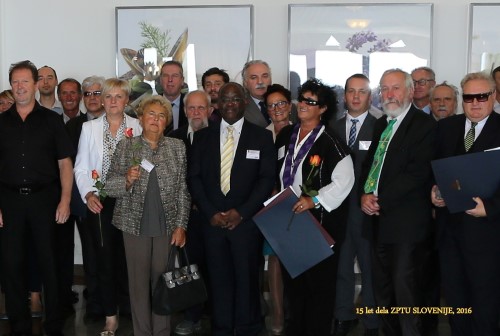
point(35, 191)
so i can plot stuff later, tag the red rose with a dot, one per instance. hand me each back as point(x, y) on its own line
point(315, 160)
point(129, 132)
point(95, 174)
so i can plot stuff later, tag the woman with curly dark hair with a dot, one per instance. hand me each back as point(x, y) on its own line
point(312, 294)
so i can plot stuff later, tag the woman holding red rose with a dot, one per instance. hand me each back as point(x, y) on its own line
point(317, 165)
point(97, 144)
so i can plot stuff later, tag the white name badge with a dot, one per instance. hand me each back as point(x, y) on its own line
point(281, 153)
point(364, 145)
point(253, 154)
point(148, 166)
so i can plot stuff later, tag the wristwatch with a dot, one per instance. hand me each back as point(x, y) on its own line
point(316, 202)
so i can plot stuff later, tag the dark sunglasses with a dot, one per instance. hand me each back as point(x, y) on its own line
point(480, 97)
point(308, 101)
point(92, 93)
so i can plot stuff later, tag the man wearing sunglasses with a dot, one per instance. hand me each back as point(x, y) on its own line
point(469, 242)
point(424, 80)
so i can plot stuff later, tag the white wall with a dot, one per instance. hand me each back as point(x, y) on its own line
point(78, 39)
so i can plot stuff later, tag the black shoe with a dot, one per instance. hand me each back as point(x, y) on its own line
point(342, 328)
point(371, 332)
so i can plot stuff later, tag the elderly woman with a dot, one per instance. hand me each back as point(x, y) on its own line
point(97, 144)
point(148, 177)
point(312, 294)
point(279, 106)
point(6, 100)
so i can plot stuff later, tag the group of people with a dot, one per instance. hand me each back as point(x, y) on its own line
point(192, 169)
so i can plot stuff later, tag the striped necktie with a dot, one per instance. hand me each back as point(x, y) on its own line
point(352, 133)
point(226, 161)
point(470, 136)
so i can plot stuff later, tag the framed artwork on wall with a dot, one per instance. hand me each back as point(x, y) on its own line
point(483, 41)
point(146, 37)
point(333, 41)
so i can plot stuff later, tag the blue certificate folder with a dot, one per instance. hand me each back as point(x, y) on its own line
point(462, 177)
point(299, 246)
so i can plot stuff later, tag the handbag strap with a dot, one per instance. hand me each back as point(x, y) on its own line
point(176, 250)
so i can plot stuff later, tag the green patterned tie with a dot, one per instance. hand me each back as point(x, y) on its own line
point(371, 181)
point(470, 136)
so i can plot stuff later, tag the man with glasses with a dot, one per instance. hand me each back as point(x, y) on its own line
point(47, 83)
point(356, 129)
point(91, 87)
point(396, 180)
point(469, 241)
point(231, 172)
point(424, 80)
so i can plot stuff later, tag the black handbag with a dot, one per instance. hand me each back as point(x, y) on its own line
point(178, 288)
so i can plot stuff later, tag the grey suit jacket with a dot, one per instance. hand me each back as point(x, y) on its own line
point(170, 164)
point(253, 114)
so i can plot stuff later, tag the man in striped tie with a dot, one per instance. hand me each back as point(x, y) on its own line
point(231, 173)
point(397, 178)
point(356, 128)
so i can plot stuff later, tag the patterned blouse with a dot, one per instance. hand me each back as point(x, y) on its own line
point(110, 146)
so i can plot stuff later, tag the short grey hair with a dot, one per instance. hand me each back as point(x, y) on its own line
point(249, 64)
point(408, 79)
point(428, 70)
point(89, 81)
point(478, 76)
point(206, 95)
point(452, 87)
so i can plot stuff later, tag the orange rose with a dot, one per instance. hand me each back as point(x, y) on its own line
point(95, 174)
point(129, 132)
point(315, 160)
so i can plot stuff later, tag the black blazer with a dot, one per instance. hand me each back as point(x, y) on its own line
point(182, 117)
point(405, 180)
point(252, 180)
point(331, 151)
point(450, 142)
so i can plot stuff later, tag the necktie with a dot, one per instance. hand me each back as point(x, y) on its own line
point(470, 136)
point(352, 133)
point(226, 161)
point(263, 110)
point(373, 176)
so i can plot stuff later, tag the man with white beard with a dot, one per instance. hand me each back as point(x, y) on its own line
point(396, 177)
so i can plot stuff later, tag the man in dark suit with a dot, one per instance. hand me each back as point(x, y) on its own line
point(198, 110)
point(397, 172)
point(231, 172)
point(469, 242)
point(92, 88)
point(256, 78)
point(356, 129)
point(172, 82)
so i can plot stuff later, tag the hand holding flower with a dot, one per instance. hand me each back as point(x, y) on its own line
point(133, 174)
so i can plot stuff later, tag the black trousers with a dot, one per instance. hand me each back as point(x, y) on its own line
point(65, 255)
point(34, 215)
point(111, 262)
point(397, 279)
point(311, 297)
point(233, 259)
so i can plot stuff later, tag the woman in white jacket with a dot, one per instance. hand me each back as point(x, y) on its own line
point(97, 144)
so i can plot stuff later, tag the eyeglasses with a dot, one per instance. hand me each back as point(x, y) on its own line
point(480, 97)
point(280, 104)
point(308, 101)
point(235, 100)
point(422, 82)
point(92, 93)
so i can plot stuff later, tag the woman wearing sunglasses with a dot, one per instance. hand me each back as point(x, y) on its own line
point(311, 145)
